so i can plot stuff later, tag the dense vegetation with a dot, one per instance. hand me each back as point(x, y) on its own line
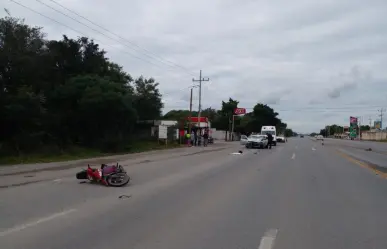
point(59, 96)
point(251, 122)
point(337, 129)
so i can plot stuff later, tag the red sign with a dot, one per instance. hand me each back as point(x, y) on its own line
point(195, 119)
point(239, 111)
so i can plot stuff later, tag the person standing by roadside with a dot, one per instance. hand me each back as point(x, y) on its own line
point(269, 139)
point(205, 137)
point(192, 141)
point(188, 138)
point(195, 137)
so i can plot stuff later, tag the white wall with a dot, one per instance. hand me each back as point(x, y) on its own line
point(168, 122)
point(374, 135)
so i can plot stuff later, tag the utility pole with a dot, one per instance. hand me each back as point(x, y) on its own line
point(200, 80)
point(190, 113)
point(370, 119)
point(382, 110)
point(359, 125)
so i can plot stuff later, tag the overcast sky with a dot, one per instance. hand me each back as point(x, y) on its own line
point(314, 62)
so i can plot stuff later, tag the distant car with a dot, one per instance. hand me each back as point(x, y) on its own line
point(319, 137)
point(257, 141)
point(281, 139)
point(301, 135)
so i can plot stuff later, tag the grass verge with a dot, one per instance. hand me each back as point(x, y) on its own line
point(76, 153)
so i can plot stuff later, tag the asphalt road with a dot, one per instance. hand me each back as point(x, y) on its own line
point(298, 195)
point(374, 153)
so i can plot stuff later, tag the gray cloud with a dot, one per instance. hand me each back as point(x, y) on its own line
point(349, 82)
point(290, 55)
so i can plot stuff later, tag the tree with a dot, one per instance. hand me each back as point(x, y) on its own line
point(262, 115)
point(365, 128)
point(289, 133)
point(61, 93)
point(178, 115)
point(210, 113)
point(281, 128)
point(147, 99)
point(337, 129)
point(224, 117)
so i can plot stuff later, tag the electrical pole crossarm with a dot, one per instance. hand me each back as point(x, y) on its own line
point(200, 80)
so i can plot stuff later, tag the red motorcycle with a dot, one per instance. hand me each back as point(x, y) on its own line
point(109, 175)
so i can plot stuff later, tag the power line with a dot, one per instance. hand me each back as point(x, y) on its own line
point(77, 31)
point(146, 53)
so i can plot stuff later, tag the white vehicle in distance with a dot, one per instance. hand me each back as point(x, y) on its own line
point(281, 139)
point(320, 137)
point(257, 141)
point(272, 130)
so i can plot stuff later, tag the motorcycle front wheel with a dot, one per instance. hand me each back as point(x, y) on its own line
point(82, 174)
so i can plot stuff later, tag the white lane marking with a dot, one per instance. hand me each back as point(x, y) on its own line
point(313, 148)
point(57, 180)
point(37, 222)
point(267, 241)
point(236, 153)
point(294, 156)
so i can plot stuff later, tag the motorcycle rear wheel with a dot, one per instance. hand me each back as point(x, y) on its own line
point(113, 180)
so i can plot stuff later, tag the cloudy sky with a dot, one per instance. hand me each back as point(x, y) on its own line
point(314, 62)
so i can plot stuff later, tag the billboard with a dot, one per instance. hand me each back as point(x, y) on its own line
point(377, 124)
point(352, 120)
point(353, 127)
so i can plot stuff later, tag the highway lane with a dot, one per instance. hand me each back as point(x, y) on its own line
point(373, 153)
point(297, 195)
point(380, 147)
point(62, 190)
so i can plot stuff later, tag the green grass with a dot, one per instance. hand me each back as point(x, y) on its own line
point(75, 153)
point(382, 141)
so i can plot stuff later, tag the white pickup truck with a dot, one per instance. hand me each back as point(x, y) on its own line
point(281, 139)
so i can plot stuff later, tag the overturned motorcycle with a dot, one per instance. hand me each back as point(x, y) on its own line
point(110, 175)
